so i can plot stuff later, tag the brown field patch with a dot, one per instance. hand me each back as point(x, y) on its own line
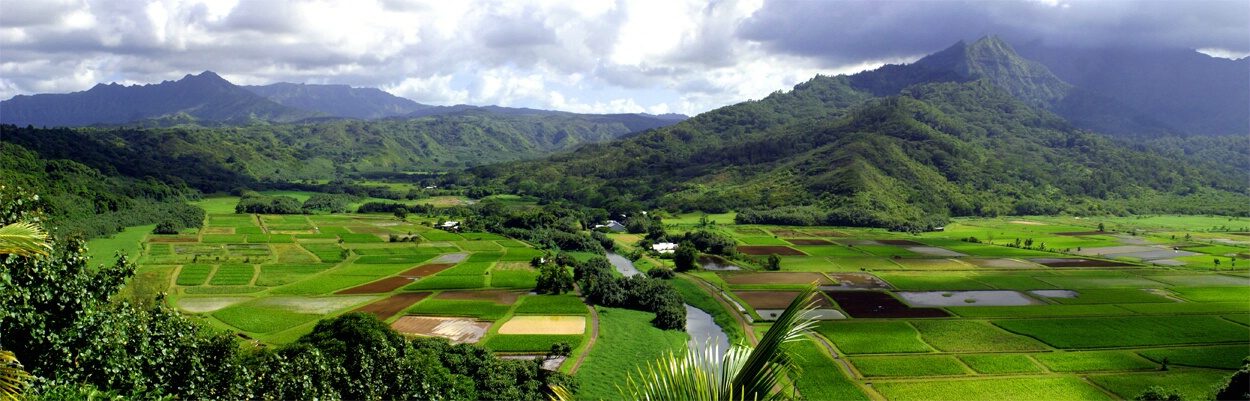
point(877, 304)
point(809, 242)
point(544, 325)
point(219, 230)
point(749, 231)
point(503, 297)
point(785, 232)
point(389, 306)
point(776, 299)
point(768, 250)
point(777, 278)
point(999, 263)
point(458, 330)
point(828, 234)
point(1073, 262)
point(384, 285)
point(899, 242)
point(426, 270)
point(1076, 233)
point(172, 239)
point(522, 266)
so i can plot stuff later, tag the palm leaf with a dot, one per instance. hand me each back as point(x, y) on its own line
point(12, 377)
point(23, 239)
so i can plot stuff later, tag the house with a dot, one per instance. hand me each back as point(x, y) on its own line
point(450, 225)
point(613, 225)
point(665, 247)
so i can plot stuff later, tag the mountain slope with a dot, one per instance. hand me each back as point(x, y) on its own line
point(338, 100)
point(206, 96)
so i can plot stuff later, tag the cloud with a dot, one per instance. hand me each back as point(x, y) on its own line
point(685, 56)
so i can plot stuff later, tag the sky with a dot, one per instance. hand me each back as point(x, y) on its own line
point(588, 56)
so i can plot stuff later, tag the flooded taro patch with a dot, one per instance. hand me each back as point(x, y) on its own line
point(967, 298)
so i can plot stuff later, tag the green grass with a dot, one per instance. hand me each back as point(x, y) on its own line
point(886, 250)
point(233, 275)
point(480, 246)
point(322, 284)
point(466, 269)
point(828, 250)
point(972, 336)
point(276, 275)
point(1036, 311)
point(856, 264)
point(249, 230)
point(128, 242)
point(521, 255)
point(218, 205)
point(510, 243)
point(329, 253)
point(874, 337)
point(762, 241)
point(627, 341)
point(1192, 384)
point(903, 366)
point(1213, 294)
point(1128, 331)
point(482, 236)
point(1099, 280)
point(1018, 282)
point(340, 230)
point(1094, 361)
point(221, 290)
point(485, 257)
point(351, 238)
point(393, 259)
point(437, 235)
point(1243, 319)
point(270, 239)
point(194, 274)
point(440, 282)
point(1112, 296)
point(933, 281)
point(485, 310)
point(821, 379)
point(260, 320)
point(982, 389)
point(1188, 307)
point(1001, 363)
point(223, 238)
point(1220, 357)
point(523, 279)
point(529, 342)
point(551, 305)
point(697, 297)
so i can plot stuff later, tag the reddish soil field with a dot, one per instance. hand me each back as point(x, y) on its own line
point(391, 305)
point(768, 249)
point(426, 270)
point(876, 304)
point(899, 242)
point(749, 231)
point(384, 285)
point(1242, 234)
point(173, 240)
point(783, 232)
point(504, 297)
point(1075, 233)
point(776, 278)
point(1062, 262)
point(776, 299)
point(828, 234)
point(809, 242)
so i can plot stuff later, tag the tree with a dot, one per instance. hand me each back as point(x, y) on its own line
point(1101, 227)
point(1157, 393)
point(554, 279)
point(401, 213)
point(743, 373)
point(685, 255)
point(774, 262)
point(1238, 385)
point(166, 227)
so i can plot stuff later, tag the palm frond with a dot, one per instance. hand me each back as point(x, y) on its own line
point(13, 379)
point(24, 239)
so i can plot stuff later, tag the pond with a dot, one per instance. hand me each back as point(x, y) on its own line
point(967, 298)
point(703, 330)
point(622, 264)
point(713, 262)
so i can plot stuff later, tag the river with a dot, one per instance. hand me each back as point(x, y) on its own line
point(699, 324)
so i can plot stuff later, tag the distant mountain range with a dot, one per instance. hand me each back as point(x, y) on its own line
point(208, 99)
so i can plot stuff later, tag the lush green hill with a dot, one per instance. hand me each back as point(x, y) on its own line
point(831, 154)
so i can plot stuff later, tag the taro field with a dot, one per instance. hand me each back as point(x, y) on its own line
point(969, 313)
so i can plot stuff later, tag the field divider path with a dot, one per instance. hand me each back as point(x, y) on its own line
point(747, 329)
point(594, 334)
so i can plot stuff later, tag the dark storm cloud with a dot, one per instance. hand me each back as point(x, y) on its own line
point(842, 32)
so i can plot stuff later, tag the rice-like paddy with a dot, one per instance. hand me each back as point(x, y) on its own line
point(208, 304)
point(458, 330)
point(544, 325)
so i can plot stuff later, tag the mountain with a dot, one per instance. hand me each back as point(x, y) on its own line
point(194, 97)
point(967, 131)
point(339, 100)
point(1189, 91)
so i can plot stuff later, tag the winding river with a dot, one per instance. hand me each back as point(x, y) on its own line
point(699, 324)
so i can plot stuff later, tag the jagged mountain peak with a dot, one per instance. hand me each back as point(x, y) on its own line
point(994, 59)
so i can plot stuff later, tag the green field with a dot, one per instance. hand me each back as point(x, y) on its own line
point(1225, 357)
point(972, 336)
point(1128, 331)
point(1092, 361)
point(1043, 388)
point(551, 305)
point(1001, 363)
point(1192, 384)
point(854, 337)
point(905, 366)
point(627, 341)
point(528, 342)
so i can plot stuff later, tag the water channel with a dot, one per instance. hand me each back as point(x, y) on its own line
point(699, 324)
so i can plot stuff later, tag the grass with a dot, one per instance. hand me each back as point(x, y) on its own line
point(194, 274)
point(1213, 294)
point(1037, 311)
point(485, 257)
point(551, 305)
point(1094, 361)
point(260, 320)
point(1128, 331)
point(523, 279)
point(1243, 319)
point(627, 341)
point(277, 275)
point(220, 290)
point(1098, 280)
point(223, 238)
point(1220, 357)
point(1001, 363)
point(351, 238)
point(875, 337)
point(233, 275)
point(981, 389)
point(1189, 307)
point(322, 284)
point(904, 366)
point(820, 380)
point(437, 235)
point(828, 250)
point(467, 269)
point(521, 255)
point(762, 241)
point(128, 242)
point(439, 282)
point(484, 310)
point(393, 259)
point(1112, 296)
point(886, 250)
point(529, 342)
point(933, 281)
point(972, 336)
point(1192, 384)
point(479, 246)
point(1018, 282)
point(329, 253)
